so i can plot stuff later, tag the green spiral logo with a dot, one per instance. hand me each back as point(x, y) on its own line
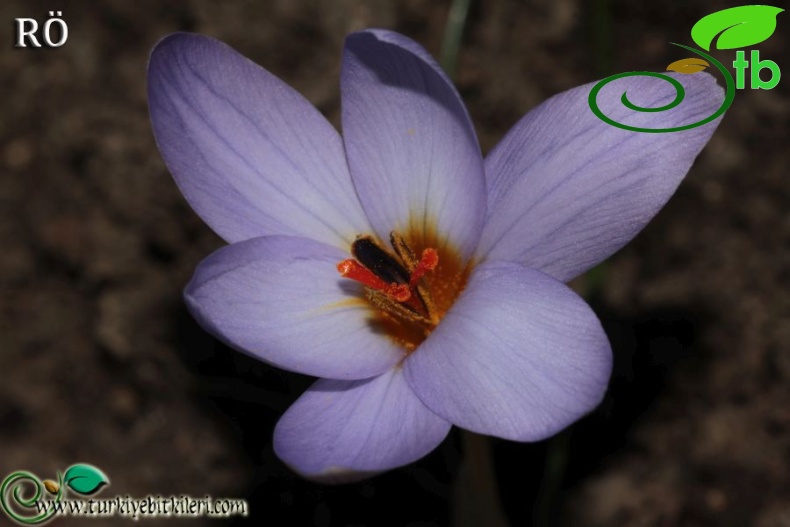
point(17, 485)
point(680, 94)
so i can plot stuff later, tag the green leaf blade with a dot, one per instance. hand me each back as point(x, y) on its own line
point(737, 27)
point(85, 479)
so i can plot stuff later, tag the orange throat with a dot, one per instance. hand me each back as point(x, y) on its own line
point(408, 288)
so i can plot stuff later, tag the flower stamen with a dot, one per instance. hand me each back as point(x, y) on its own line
point(398, 277)
point(410, 286)
point(402, 311)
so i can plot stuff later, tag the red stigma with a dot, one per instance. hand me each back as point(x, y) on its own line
point(356, 271)
point(428, 262)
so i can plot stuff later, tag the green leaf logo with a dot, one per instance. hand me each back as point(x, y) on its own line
point(738, 27)
point(85, 479)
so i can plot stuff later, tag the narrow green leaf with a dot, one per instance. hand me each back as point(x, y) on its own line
point(738, 27)
point(85, 479)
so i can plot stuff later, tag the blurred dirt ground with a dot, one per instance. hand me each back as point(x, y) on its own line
point(102, 364)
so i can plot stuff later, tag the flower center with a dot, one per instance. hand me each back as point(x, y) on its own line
point(408, 289)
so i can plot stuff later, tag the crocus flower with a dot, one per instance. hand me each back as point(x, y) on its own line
point(423, 284)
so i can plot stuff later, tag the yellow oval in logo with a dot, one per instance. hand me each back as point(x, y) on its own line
point(692, 65)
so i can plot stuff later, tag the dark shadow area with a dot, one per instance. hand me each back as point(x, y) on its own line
point(649, 349)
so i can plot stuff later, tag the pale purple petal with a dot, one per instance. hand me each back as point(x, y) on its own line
point(410, 144)
point(250, 154)
point(341, 430)
point(282, 300)
point(519, 356)
point(566, 190)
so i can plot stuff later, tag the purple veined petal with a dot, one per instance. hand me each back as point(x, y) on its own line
point(347, 430)
point(281, 300)
point(413, 153)
point(566, 190)
point(250, 154)
point(519, 356)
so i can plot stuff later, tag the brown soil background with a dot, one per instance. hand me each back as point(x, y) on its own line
point(101, 363)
